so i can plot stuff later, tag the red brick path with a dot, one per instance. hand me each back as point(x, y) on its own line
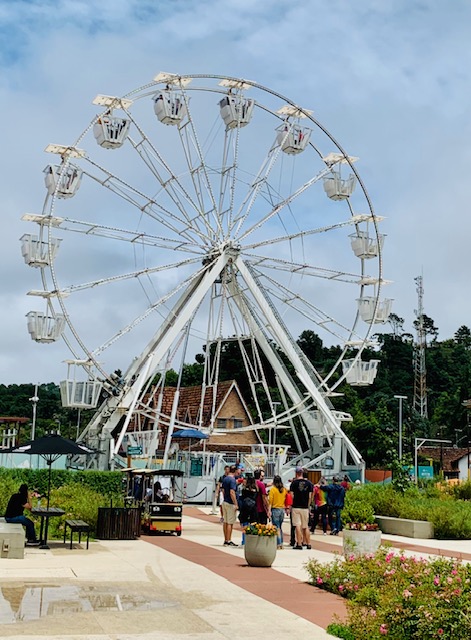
point(302, 599)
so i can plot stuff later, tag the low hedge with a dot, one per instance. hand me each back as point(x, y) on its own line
point(79, 493)
point(451, 516)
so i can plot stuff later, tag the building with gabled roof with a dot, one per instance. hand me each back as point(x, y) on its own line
point(455, 460)
point(231, 415)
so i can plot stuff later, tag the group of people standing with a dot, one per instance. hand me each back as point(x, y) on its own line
point(304, 502)
point(327, 505)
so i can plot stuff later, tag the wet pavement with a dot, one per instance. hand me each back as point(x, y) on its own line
point(171, 588)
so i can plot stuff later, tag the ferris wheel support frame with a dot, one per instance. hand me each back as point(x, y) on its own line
point(113, 408)
point(285, 343)
point(146, 364)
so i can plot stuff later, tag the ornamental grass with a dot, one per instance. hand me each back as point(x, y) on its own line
point(256, 529)
point(400, 597)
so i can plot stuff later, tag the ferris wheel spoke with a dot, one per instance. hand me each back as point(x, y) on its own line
point(260, 181)
point(199, 171)
point(126, 276)
point(173, 189)
point(304, 269)
point(126, 235)
point(284, 203)
point(144, 204)
point(172, 184)
point(279, 291)
point(228, 179)
point(152, 308)
point(353, 221)
point(172, 180)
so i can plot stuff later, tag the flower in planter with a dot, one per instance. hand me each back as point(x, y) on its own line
point(256, 529)
point(361, 526)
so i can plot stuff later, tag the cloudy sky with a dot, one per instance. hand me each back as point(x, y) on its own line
point(390, 79)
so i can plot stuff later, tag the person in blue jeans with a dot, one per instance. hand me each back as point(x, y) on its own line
point(277, 501)
point(335, 502)
point(15, 513)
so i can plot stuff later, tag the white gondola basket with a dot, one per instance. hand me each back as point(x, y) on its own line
point(360, 373)
point(64, 182)
point(37, 253)
point(169, 107)
point(364, 246)
point(374, 311)
point(316, 423)
point(80, 394)
point(110, 131)
point(338, 188)
point(44, 328)
point(236, 111)
point(293, 141)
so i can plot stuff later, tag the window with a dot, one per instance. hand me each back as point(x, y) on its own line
point(238, 423)
point(222, 423)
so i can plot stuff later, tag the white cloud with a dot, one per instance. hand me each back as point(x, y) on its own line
point(389, 79)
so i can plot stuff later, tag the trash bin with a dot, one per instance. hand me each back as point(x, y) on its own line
point(118, 523)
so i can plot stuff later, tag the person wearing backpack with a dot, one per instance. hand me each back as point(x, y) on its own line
point(277, 501)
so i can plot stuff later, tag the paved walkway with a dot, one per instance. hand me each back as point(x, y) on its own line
point(171, 588)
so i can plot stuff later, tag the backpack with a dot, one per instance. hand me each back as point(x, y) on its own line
point(248, 508)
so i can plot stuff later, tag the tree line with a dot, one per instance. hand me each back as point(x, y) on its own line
point(374, 428)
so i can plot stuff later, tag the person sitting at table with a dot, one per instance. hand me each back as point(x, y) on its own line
point(14, 513)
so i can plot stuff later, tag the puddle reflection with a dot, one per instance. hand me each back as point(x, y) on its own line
point(23, 603)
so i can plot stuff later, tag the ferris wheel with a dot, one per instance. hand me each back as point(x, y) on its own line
point(197, 212)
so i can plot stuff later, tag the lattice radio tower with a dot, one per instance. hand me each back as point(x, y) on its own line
point(420, 373)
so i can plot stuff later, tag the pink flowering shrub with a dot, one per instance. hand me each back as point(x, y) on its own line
point(391, 595)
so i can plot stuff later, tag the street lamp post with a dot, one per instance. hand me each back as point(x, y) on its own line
point(34, 400)
point(400, 398)
point(467, 404)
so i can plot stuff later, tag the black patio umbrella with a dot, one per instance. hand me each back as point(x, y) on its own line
point(51, 447)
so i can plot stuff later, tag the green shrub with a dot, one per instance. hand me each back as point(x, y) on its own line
point(79, 493)
point(450, 516)
point(386, 501)
point(340, 631)
point(358, 508)
point(462, 491)
point(79, 504)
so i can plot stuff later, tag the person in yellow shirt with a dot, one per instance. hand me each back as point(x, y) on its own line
point(276, 500)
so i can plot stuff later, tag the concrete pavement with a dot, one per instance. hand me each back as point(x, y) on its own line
point(173, 588)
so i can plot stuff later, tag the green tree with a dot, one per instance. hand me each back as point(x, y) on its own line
point(463, 336)
point(428, 326)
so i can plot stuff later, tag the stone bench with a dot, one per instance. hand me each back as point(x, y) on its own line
point(405, 527)
point(12, 540)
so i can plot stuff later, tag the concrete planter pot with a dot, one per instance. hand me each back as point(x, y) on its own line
point(359, 543)
point(260, 551)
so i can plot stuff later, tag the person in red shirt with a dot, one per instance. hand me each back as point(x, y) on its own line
point(263, 508)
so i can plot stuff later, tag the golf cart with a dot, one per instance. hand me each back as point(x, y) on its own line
point(162, 510)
